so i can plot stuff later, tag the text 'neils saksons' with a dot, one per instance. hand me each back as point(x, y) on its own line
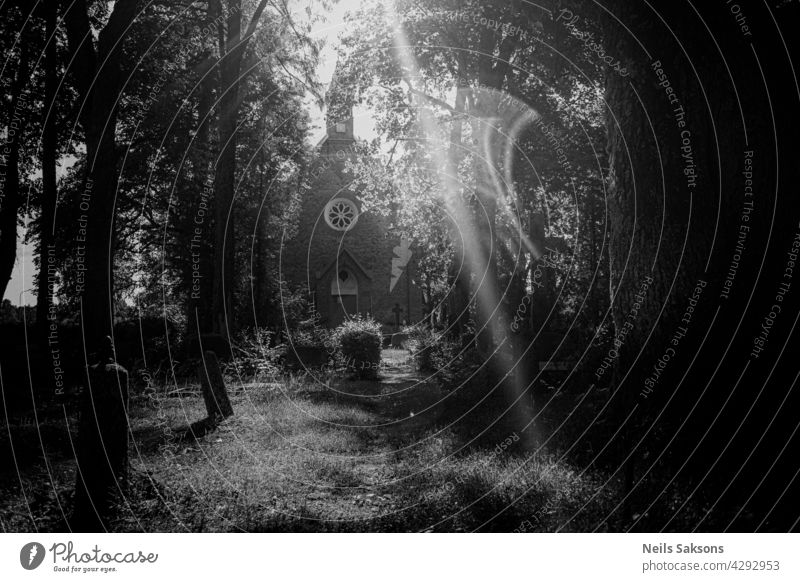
point(681, 549)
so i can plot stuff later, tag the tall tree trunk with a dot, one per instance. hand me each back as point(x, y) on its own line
point(225, 176)
point(100, 192)
point(232, 51)
point(198, 222)
point(458, 271)
point(678, 204)
point(46, 280)
point(649, 263)
point(487, 292)
point(492, 323)
point(98, 72)
point(488, 106)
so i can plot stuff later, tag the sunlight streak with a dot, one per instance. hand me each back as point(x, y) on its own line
point(493, 191)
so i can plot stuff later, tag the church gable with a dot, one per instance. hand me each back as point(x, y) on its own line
point(347, 259)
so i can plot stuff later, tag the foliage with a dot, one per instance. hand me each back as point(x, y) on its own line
point(427, 170)
point(10, 313)
point(166, 133)
point(431, 351)
point(295, 312)
point(401, 189)
point(451, 361)
point(359, 343)
point(254, 357)
point(309, 334)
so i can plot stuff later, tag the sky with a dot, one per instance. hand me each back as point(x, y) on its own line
point(20, 288)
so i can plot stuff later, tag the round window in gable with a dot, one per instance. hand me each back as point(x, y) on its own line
point(341, 214)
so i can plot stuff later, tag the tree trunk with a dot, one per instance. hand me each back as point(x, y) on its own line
point(487, 293)
point(225, 176)
point(458, 271)
point(46, 280)
point(232, 51)
point(649, 263)
point(215, 395)
point(492, 323)
point(677, 154)
point(198, 222)
point(488, 107)
point(102, 452)
point(97, 294)
point(98, 75)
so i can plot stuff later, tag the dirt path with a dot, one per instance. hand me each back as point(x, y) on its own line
point(404, 400)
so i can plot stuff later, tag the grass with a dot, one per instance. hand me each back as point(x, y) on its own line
point(300, 455)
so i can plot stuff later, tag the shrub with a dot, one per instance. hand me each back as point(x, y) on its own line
point(254, 358)
point(359, 343)
point(431, 351)
point(308, 334)
point(453, 361)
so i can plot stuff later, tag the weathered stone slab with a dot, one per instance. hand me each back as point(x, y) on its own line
point(215, 395)
point(399, 340)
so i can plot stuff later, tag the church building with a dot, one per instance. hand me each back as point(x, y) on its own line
point(347, 259)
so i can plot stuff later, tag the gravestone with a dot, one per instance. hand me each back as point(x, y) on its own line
point(102, 450)
point(399, 340)
point(397, 310)
point(215, 395)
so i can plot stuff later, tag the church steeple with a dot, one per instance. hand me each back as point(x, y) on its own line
point(339, 115)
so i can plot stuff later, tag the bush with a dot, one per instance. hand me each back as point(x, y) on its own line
point(308, 334)
point(453, 362)
point(359, 343)
point(254, 358)
point(431, 351)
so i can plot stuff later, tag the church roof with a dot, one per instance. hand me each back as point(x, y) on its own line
point(344, 258)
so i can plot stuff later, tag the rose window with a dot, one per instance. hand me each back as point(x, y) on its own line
point(341, 214)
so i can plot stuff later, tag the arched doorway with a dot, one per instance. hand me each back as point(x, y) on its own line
point(344, 295)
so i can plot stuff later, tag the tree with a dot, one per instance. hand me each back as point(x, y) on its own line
point(165, 223)
point(99, 70)
point(234, 69)
point(686, 231)
point(232, 50)
point(49, 197)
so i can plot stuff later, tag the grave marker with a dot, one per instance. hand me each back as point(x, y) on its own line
point(215, 395)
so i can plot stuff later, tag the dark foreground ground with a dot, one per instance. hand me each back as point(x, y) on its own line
point(319, 454)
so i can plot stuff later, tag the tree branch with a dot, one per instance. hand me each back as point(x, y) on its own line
point(433, 100)
point(81, 51)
